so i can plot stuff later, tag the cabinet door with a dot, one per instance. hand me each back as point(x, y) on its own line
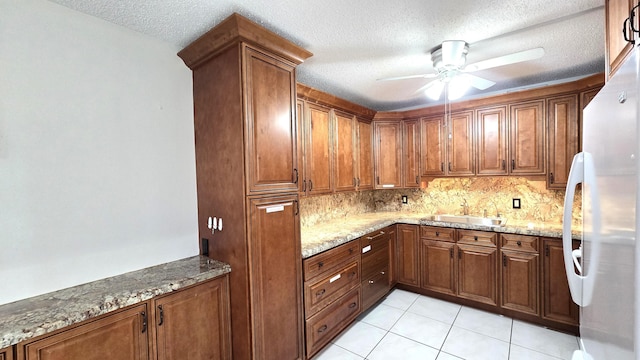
point(195, 323)
point(491, 128)
point(276, 277)
point(520, 282)
point(344, 135)
point(388, 154)
point(617, 48)
point(433, 144)
point(121, 335)
point(438, 263)
point(411, 153)
point(365, 156)
point(585, 99)
point(317, 150)
point(460, 153)
point(271, 127)
point(557, 304)
point(562, 125)
point(526, 144)
point(407, 255)
point(477, 273)
point(6, 354)
point(302, 182)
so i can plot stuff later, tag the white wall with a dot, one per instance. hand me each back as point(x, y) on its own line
point(97, 169)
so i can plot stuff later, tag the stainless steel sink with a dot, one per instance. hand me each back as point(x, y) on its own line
point(468, 219)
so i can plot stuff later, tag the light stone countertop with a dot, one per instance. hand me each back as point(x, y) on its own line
point(322, 237)
point(28, 318)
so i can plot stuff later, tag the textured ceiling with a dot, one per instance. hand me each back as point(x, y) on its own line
point(358, 41)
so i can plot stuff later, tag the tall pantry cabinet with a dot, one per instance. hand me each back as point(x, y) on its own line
point(247, 165)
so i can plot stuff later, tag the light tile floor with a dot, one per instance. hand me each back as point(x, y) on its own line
point(410, 326)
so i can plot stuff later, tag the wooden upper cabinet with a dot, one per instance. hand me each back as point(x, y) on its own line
point(194, 323)
point(302, 183)
point(492, 140)
point(344, 135)
point(121, 335)
point(411, 153)
point(6, 354)
point(562, 125)
point(388, 154)
point(460, 153)
point(617, 48)
point(318, 171)
point(433, 143)
point(271, 131)
point(585, 99)
point(365, 155)
point(527, 138)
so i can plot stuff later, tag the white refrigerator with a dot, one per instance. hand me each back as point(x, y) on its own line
point(604, 273)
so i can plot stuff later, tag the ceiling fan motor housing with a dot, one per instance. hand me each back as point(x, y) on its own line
point(450, 55)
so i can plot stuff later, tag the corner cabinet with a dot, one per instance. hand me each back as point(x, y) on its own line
point(388, 154)
point(247, 172)
point(617, 48)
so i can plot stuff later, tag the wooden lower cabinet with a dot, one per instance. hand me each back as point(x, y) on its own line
point(520, 281)
point(557, 304)
point(194, 323)
point(375, 266)
point(477, 273)
point(407, 255)
point(6, 354)
point(438, 266)
point(120, 335)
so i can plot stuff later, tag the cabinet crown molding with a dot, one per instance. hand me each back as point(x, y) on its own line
point(236, 29)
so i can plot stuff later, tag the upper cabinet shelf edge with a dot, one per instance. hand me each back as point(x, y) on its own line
point(234, 29)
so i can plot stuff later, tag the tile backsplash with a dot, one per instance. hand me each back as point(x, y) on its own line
point(446, 196)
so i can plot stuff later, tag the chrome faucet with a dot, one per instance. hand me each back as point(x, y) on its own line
point(465, 207)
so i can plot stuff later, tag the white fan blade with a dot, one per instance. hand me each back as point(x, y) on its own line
point(425, 76)
point(478, 82)
point(452, 52)
point(521, 56)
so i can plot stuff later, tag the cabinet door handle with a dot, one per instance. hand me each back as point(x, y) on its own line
point(352, 305)
point(504, 165)
point(378, 180)
point(320, 293)
point(381, 272)
point(451, 252)
point(551, 178)
point(295, 179)
point(417, 179)
point(441, 167)
point(459, 254)
point(370, 282)
point(449, 165)
point(310, 185)
point(358, 182)
point(624, 31)
point(161, 310)
point(322, 329)
point(546, 250)
point(297, 207)
point(304, 185)
point(513, 164)
point(354, 182)
point(504, 260)
point(144, 321)
point(373, 237)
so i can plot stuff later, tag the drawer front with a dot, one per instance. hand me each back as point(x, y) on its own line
point(481, 238)
point(326, 324)
point(319, 294)
point(437, 233)
point(375, 287)
point(372, 264)
point(329, 260)
point(374, 242)
point(519, 242)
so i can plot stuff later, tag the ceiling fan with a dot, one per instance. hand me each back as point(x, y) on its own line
point(453, 75)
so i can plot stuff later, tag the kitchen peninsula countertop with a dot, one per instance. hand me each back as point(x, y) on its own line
point(28, 318)
point(322, 237)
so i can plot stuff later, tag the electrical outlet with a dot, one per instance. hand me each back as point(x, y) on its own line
point(516, 203)
point(405, 199)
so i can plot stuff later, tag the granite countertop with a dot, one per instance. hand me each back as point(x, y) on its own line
point(28, 318)
point(322, 237)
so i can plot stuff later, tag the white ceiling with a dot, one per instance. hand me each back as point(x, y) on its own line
point(355, 42)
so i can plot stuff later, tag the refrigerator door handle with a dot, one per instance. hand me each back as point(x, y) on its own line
point(581, 284)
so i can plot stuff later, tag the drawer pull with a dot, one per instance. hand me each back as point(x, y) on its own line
point(352, 275)
point(335, 278)
point(373, 237)
point(320, 264)
point(320, 293)
point(475, 238)
point(437, 233)
point(370, 281)
point(351, 251)
point(366, 249)
point(322, 329)
point(519, 243)
point(381, 272)
point(352, 305)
